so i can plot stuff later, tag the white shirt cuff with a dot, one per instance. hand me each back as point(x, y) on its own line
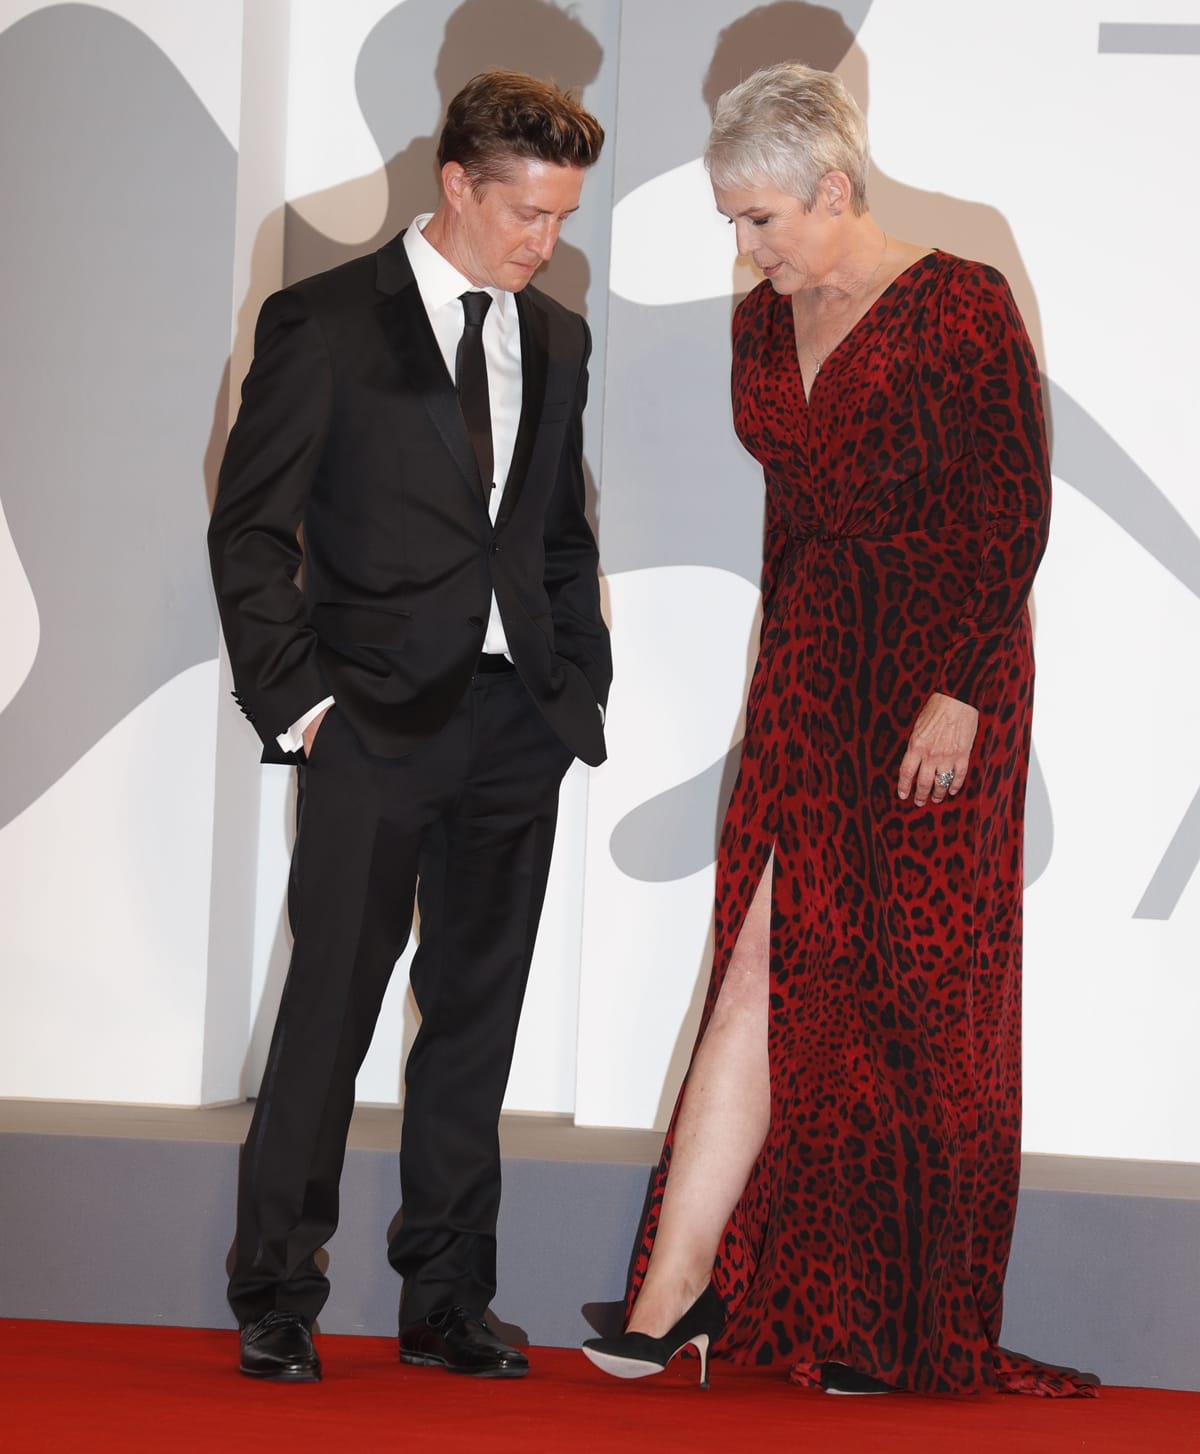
point(293, 739)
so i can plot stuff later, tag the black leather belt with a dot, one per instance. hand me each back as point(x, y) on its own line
point(493, 662)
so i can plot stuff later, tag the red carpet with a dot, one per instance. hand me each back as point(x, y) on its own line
point(70, 1386)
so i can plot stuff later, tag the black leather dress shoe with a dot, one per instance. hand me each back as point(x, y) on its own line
point(280, 1347)
point(462, 1343)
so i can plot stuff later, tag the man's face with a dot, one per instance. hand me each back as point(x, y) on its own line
point(502, 233)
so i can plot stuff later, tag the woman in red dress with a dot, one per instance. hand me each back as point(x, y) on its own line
point(837, 1189)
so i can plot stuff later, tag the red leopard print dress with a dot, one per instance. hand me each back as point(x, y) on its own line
point(906, 511)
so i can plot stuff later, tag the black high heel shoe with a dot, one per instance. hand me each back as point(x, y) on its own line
point(837, 1378)
point(634, 1355)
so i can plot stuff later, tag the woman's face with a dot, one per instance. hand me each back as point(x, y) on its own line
point(774, 231)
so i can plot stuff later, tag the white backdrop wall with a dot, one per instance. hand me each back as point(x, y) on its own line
point(166, 166)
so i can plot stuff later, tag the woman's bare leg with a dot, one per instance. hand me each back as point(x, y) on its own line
point(720, 1129)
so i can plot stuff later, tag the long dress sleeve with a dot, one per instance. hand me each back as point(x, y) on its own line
point(775, 539)
point(1002, 404)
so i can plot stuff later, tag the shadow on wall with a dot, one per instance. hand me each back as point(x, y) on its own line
point(115, 283)
point(675, 834)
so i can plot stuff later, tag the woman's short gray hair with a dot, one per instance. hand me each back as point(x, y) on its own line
point(789, 125)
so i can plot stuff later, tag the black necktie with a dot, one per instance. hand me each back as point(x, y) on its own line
point(470, 379)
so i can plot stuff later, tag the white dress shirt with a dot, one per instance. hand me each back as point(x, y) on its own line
point(441, 284)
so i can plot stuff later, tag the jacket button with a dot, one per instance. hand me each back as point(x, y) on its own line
point(495, 549)
point(474, 620)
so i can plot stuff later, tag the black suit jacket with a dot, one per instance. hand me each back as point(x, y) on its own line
point(350, 427)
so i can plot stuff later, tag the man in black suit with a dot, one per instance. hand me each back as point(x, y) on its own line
point(418, 412)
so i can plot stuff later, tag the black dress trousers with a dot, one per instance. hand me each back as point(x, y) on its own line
point(469, 816)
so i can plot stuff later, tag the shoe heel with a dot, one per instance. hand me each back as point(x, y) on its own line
point(700, 1344)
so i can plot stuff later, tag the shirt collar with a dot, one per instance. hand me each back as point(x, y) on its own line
point(439, 281)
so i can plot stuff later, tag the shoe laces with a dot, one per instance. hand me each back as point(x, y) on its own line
point(457, 1314)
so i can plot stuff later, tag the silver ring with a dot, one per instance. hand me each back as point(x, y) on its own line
point(945, 777)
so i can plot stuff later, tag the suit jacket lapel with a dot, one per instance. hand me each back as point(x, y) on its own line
point(407, 328)
point(535, 351)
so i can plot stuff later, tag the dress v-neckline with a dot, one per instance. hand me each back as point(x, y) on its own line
point(903, 276)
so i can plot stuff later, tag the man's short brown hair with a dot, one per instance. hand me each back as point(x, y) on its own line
point(502, 116)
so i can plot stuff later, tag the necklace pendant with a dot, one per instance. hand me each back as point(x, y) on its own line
point(817, 370)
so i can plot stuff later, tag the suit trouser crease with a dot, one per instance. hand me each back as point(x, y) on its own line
point(471, 813)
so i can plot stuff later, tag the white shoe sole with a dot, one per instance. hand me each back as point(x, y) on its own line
point(622, 1367)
